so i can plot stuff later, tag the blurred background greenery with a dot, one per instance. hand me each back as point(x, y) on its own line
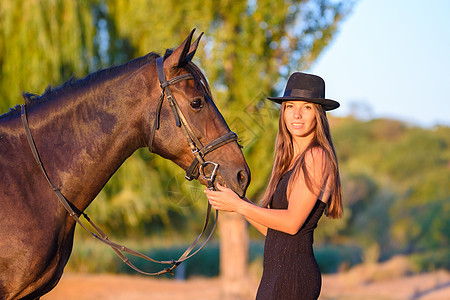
point(396, 176)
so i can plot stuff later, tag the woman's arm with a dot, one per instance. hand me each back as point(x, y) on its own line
point(259, 227)
point(301, 201)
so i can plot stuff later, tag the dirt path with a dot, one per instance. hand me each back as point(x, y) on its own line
point(430, 286)
point(123, 287)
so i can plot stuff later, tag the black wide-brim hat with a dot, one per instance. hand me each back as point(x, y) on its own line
point(308, 88)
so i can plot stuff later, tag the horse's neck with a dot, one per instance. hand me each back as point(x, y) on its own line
point(83, 140)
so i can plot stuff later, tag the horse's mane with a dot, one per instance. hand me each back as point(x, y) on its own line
point(102, 75)
point(73, 83)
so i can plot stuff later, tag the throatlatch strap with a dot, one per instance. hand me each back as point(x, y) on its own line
point(156, 122)
point(166, 92)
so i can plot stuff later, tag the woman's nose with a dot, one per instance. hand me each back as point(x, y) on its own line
point(297, 113)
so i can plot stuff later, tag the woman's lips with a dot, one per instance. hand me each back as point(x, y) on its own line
point(297, 125)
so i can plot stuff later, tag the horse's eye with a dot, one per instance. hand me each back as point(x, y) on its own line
point(197, 103)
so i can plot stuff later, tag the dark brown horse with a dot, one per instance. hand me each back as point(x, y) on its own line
point(84, 131)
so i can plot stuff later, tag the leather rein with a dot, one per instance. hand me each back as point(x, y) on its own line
point(196, 168)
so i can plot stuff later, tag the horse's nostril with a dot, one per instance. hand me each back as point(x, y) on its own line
point(242, 179)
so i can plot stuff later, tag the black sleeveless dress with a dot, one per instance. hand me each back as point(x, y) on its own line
point(290, 268)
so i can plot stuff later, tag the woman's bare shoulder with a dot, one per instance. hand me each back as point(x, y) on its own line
point(315, 155)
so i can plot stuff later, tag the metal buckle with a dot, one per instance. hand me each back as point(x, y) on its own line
point(213, 173)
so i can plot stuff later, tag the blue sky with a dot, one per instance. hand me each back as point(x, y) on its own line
point(391, 58)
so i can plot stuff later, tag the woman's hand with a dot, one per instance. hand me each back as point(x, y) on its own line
point(224, 199)
point(227, 200)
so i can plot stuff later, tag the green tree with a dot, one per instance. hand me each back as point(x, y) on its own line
point(396, 187)
point(250, 46)
point(250, 49)
point(42, 42)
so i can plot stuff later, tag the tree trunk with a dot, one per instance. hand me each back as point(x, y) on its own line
point(234, 244)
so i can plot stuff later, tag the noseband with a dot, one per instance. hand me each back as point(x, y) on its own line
point(196, 168)
point(199, 151)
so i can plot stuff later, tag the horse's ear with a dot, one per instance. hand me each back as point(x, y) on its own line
point(178, 56)
point(193, 48)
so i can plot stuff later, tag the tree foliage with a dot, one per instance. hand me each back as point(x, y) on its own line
point(42, 42)
point(396, 184)
point(249, 47)
point(395, 176)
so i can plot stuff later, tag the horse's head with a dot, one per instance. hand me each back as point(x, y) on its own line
point(189, 129)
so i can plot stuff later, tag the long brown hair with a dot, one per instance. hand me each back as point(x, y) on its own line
point(284, 158)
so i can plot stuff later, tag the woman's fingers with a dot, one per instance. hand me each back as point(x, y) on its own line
point(220, 187)
point(214, 199)
point(222, 199)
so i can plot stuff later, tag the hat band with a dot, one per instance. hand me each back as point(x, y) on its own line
point(302, 93)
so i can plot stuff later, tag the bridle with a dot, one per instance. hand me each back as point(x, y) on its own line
point(198, 150)
point(196, 168)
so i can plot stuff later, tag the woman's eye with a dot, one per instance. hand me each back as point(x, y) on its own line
point(196, 103)
point(308, 107)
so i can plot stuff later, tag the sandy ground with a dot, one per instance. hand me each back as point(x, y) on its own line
point(430, 286)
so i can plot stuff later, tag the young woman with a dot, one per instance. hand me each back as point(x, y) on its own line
point(304, 183)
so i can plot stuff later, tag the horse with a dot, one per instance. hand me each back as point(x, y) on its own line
point(83, 131)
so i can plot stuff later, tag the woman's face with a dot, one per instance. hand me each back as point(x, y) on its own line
point(300, 118)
